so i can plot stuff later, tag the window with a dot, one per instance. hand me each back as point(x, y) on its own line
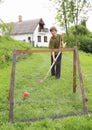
point(45, 38)
point(39, 38)
point(41, 28)
point(29, 39)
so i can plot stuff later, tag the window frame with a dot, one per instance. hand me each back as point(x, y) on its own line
point(39, 38)
point(45, 39)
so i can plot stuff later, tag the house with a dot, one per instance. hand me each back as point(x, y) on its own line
point(32, 31)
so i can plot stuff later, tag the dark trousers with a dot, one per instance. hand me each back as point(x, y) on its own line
point(56, 69)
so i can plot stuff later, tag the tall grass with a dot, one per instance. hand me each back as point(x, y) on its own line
point(7, 45)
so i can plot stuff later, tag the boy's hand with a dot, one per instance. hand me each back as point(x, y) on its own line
point(54, 59)
point(63, 44)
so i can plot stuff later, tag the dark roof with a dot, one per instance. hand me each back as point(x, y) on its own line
point(26, 27)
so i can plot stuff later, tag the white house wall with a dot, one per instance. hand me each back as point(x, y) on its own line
point(22, 37)
point(34, 38)
point(42, 34)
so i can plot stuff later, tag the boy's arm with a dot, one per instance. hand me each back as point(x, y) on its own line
point(51, 46)
point(53, 55)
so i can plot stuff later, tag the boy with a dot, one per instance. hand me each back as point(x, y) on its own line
point(55, 43)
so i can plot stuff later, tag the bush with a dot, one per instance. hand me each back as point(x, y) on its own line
point(81, 30)
point(85, 43)
point(71, 41)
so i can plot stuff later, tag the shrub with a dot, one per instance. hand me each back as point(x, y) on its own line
point(71, 41)
point(85, 43)
point(81, 30)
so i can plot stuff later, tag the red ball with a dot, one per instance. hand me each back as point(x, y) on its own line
point(26, 94)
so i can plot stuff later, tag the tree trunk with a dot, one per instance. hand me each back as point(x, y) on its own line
point(76, 23)
point(65, 19)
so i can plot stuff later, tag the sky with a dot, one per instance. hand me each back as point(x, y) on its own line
point(31, 9)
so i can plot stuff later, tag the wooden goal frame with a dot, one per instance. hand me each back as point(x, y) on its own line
point(76, 64)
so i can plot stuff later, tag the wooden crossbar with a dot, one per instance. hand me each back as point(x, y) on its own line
point(44, 50)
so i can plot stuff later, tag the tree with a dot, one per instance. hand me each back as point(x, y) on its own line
point(79, 11)
point(62, 17)
point(6, 28)
point(83, 22)
point(71, 12)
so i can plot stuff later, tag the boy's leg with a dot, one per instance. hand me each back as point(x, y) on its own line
point(58, 66)
point(53, 68)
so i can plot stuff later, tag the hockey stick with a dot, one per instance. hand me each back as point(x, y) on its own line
point(42, 80)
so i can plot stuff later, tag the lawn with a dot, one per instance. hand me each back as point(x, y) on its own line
point(50, 98)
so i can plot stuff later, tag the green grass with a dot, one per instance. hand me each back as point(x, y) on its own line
point(52, 97)
point(7, 45)
point(48, 98)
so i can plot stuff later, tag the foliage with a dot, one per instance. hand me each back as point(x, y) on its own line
point(70, 41)
point(81, 30)
point(6, 28)
point(73, 9)
point(72, 12)
point(85, 43)
point(83, 22)
point(84, 38)
point(51, 91)
point(7, 45)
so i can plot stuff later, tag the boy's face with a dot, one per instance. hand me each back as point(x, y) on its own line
point(53, 32)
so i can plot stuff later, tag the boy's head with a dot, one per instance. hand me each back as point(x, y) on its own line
point(53, 30)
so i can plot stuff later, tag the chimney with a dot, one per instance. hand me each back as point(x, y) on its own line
point(19, 18)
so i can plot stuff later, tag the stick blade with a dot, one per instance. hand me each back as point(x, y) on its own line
point(40, 80)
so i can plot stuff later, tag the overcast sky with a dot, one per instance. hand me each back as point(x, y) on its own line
point(30, 9)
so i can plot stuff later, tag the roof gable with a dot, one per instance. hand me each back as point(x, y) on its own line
point(26, 27)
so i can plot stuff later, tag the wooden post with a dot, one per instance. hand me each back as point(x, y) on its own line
point(84, 99)
point(74, 71)
point(11, 97)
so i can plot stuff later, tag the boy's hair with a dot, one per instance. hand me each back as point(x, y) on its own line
point(53, 28)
